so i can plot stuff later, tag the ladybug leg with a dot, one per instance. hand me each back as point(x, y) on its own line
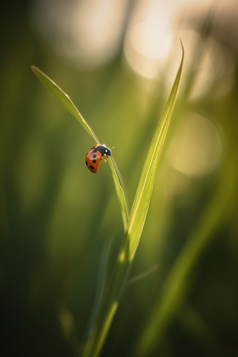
point(104, 158)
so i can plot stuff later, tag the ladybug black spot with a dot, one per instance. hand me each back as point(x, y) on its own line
point(95, 150)
point(94, 161)
point(94, 155)
point(86, 163)
point(92, 168)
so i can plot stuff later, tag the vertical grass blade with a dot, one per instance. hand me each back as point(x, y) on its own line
point(178, 283)
point(145, 187)
point(136, 223)
point(120, 192)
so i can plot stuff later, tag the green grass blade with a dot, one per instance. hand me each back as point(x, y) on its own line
point(145, 187)
point(108, 308)
point(100, 284)
point(178, 283)
point(136, 222)
point(120, 191)
point(64, 99)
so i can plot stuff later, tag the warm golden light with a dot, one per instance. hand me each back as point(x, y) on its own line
point(148, 41)
point(197, 148)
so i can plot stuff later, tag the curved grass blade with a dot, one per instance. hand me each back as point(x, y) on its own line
point(136, 223)
point(142, 198)
point(64, 99)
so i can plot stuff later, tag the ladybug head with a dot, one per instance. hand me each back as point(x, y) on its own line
point(104, 150)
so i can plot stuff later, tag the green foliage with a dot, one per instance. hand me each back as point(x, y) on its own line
point(65, 257)
point(65, 100)
point(177, 282)
point(144, 191)
point(138, 213)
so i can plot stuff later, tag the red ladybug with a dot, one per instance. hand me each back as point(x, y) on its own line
point(95, 155)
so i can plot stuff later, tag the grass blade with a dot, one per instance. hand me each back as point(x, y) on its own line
point(145, 187)
point(120, 192)
point(100, 284)
point(63, 99)
point(178, 282)
point(136, 223)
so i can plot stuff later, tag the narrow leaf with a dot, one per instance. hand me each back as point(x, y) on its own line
point(144, 190)
point(120, 191)
point(64, 99)
point(177, 285)
point(100, 284)
point(139, 210)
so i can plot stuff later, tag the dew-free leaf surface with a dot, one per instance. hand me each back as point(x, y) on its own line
point(65, 100)
point(135, 227)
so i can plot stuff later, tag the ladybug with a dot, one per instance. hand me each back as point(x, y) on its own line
point(95, 155)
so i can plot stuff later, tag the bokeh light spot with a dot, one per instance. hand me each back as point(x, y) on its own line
point(197, 148)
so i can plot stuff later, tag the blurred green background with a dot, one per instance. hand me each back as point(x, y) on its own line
point(117, 60)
